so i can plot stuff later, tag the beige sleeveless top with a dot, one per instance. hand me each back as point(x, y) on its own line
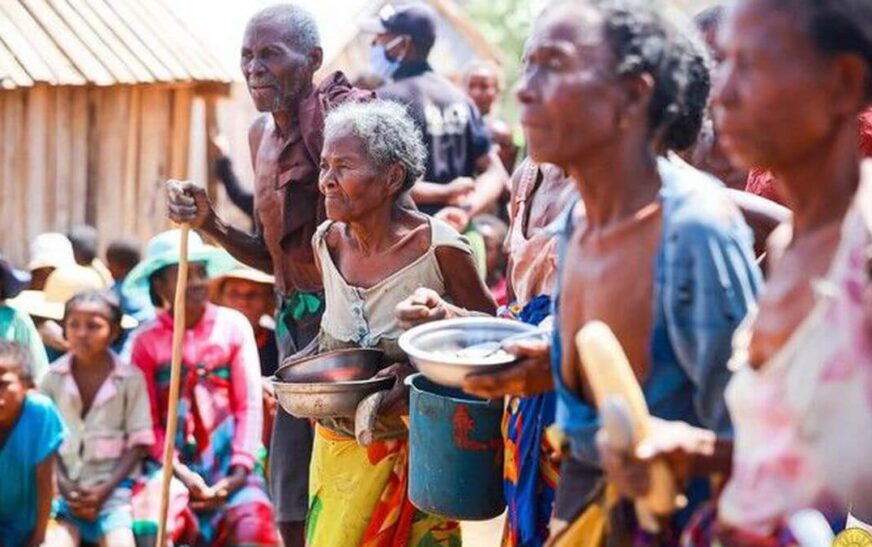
point(364, 317)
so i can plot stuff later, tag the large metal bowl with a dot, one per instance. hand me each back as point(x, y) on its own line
point(430, 347)
point(330, 385)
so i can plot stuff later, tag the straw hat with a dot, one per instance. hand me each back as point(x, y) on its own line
point(163, 250)
point(241, 272)
point(50, 250)
point(13, 281)
point(63, 283)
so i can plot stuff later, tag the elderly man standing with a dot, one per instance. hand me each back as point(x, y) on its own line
point(280, 54)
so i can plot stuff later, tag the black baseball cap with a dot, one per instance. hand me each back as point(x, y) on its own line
point(417, 21)
point(13, 280)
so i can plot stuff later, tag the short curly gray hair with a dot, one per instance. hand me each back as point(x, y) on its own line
point(300, 28)
point(387, 131)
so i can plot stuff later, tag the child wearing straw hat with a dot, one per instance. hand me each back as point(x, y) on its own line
point(251, 293)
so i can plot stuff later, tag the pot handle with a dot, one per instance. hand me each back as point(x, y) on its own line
point(407, 381)
point(366, 416)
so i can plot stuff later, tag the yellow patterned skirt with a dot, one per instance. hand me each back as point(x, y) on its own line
point(359, 496)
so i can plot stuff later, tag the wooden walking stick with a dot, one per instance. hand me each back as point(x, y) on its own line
point(175, 377)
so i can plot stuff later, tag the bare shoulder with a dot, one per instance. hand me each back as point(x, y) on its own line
point(412, 233)
point(334, 234)
point(518, 175)
point(419, 233)
point(450, 258)
point(256, 131)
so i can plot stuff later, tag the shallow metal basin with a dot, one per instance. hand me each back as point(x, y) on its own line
point(330, 385)
point(431, 347)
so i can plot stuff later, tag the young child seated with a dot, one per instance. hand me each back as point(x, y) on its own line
point(104, 403)
point(222, 497)
point(30, 433)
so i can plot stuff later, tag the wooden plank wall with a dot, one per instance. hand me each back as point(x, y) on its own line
point(89, 154)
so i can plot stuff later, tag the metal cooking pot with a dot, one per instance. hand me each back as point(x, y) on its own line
point(330, 385)
point(430, 347)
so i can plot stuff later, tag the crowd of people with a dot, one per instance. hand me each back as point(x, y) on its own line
point(697, 186)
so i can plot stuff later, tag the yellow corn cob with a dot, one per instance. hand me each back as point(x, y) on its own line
point(610, 375)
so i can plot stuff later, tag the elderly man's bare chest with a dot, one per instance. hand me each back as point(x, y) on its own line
point(269, 194)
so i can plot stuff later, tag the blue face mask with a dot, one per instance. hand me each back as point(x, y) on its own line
point(381, 64)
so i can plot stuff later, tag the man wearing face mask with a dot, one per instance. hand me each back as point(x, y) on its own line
point(462, 168)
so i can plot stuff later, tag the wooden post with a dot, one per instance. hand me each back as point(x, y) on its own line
point(211, 129)
point(175, 381)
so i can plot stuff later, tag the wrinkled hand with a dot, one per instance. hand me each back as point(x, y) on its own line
point(678, 443)
point(188, 202)
point(459, 189)
point(195, 484)
point(531, 376)
point(425, 305)
point(455, 217)
point(204, 497)
point(395, 402)
point(214, 497)
point(208, 504)
point(268, 397)
point(269, 392)
point(212, 500)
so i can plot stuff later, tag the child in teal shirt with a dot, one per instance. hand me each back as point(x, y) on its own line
point(31, 431)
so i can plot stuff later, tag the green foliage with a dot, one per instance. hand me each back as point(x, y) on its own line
point(506, 24)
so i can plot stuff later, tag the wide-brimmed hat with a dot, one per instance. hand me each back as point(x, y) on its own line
point(50, 250)
point(13, 281)
point(60, 286)
point(163, 250)
point(243, 272)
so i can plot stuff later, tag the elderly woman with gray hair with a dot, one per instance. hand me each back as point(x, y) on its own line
point(373, 252)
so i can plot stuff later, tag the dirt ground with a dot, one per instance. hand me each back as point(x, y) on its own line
point(486, 533)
